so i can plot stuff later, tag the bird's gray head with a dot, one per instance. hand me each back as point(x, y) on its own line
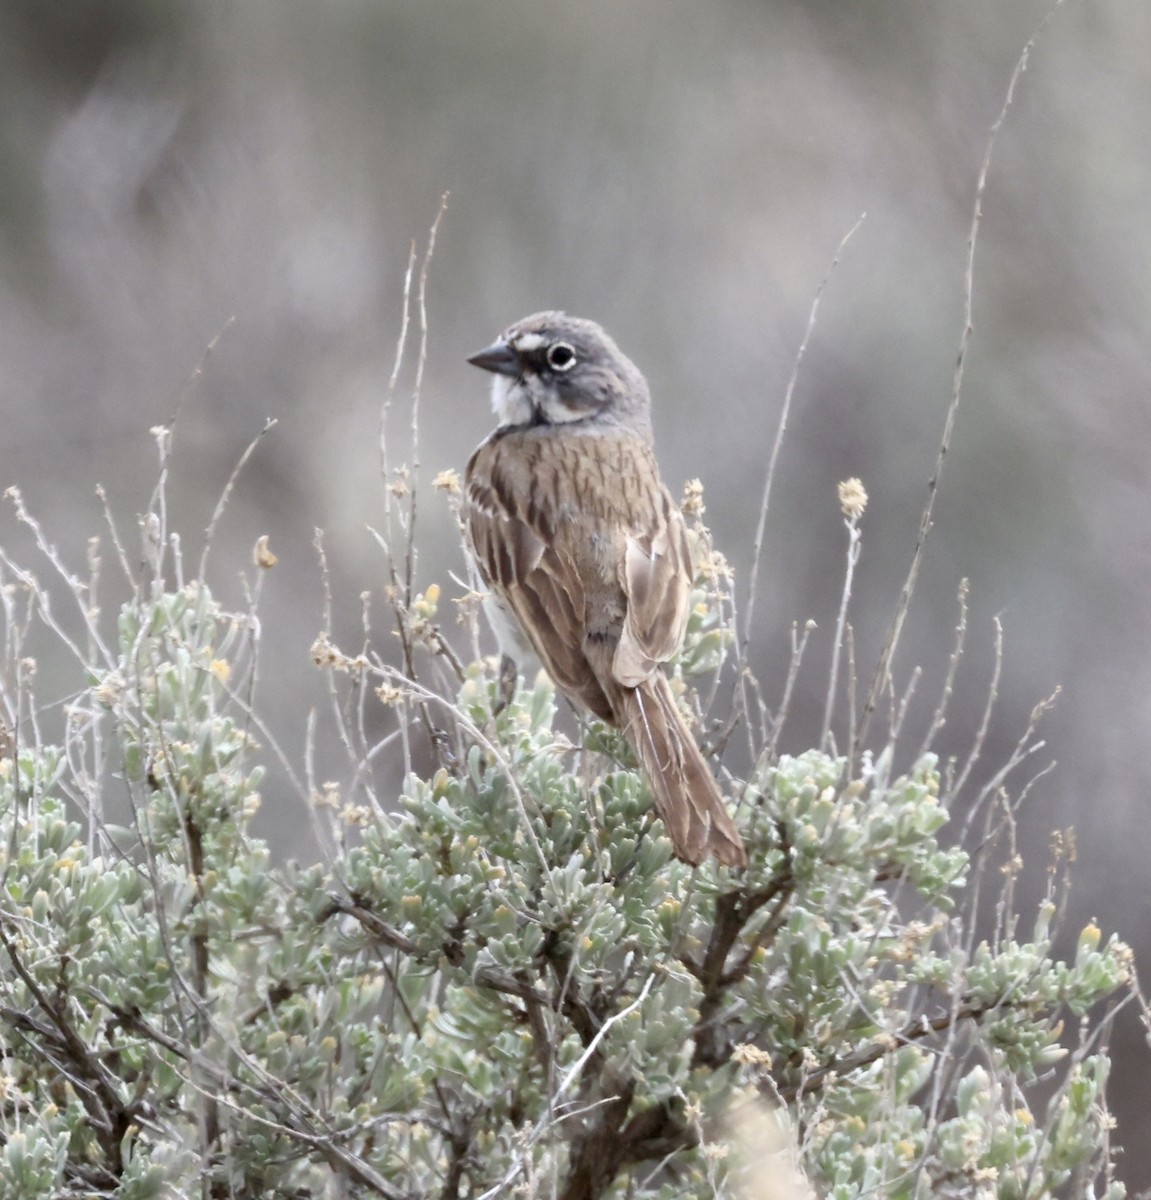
point(552, 369)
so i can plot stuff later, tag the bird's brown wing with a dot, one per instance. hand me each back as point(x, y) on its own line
point(587, 548)
point(656, 579)
point(524, 555)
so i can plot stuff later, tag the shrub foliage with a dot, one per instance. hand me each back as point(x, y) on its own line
point(501, 983)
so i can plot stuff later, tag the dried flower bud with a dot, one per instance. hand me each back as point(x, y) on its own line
point(852, 498)
point(262, 554)
point(692, 502)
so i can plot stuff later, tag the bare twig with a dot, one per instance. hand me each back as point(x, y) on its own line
point(854, 547)
point(777, 444)
point(939, 717)
point(976, 748)
point(798, 647)
point(225, 495)
point(883, 667)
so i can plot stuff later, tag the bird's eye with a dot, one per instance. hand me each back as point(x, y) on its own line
point(561, 356)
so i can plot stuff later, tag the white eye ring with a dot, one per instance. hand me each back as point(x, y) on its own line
point(561, 356)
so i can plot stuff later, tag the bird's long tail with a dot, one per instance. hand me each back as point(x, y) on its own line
point(687, 796)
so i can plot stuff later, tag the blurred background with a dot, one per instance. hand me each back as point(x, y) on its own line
point(683, 173)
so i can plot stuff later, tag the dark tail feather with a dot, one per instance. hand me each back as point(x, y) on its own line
point(686, 794)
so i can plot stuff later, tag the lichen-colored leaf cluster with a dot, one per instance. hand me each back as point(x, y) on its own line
point(506, 984)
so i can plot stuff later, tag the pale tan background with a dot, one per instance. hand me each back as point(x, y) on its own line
point(681, 172)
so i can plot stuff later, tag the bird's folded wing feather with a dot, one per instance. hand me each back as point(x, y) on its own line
point(538, 562)
point(518, 556)
point(656, 578)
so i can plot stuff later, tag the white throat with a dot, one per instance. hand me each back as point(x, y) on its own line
point(515, 400)
point(510, 401)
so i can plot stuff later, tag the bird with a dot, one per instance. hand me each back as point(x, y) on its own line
point(585, 554)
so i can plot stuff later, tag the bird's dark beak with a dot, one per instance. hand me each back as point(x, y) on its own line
point(499, 358)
